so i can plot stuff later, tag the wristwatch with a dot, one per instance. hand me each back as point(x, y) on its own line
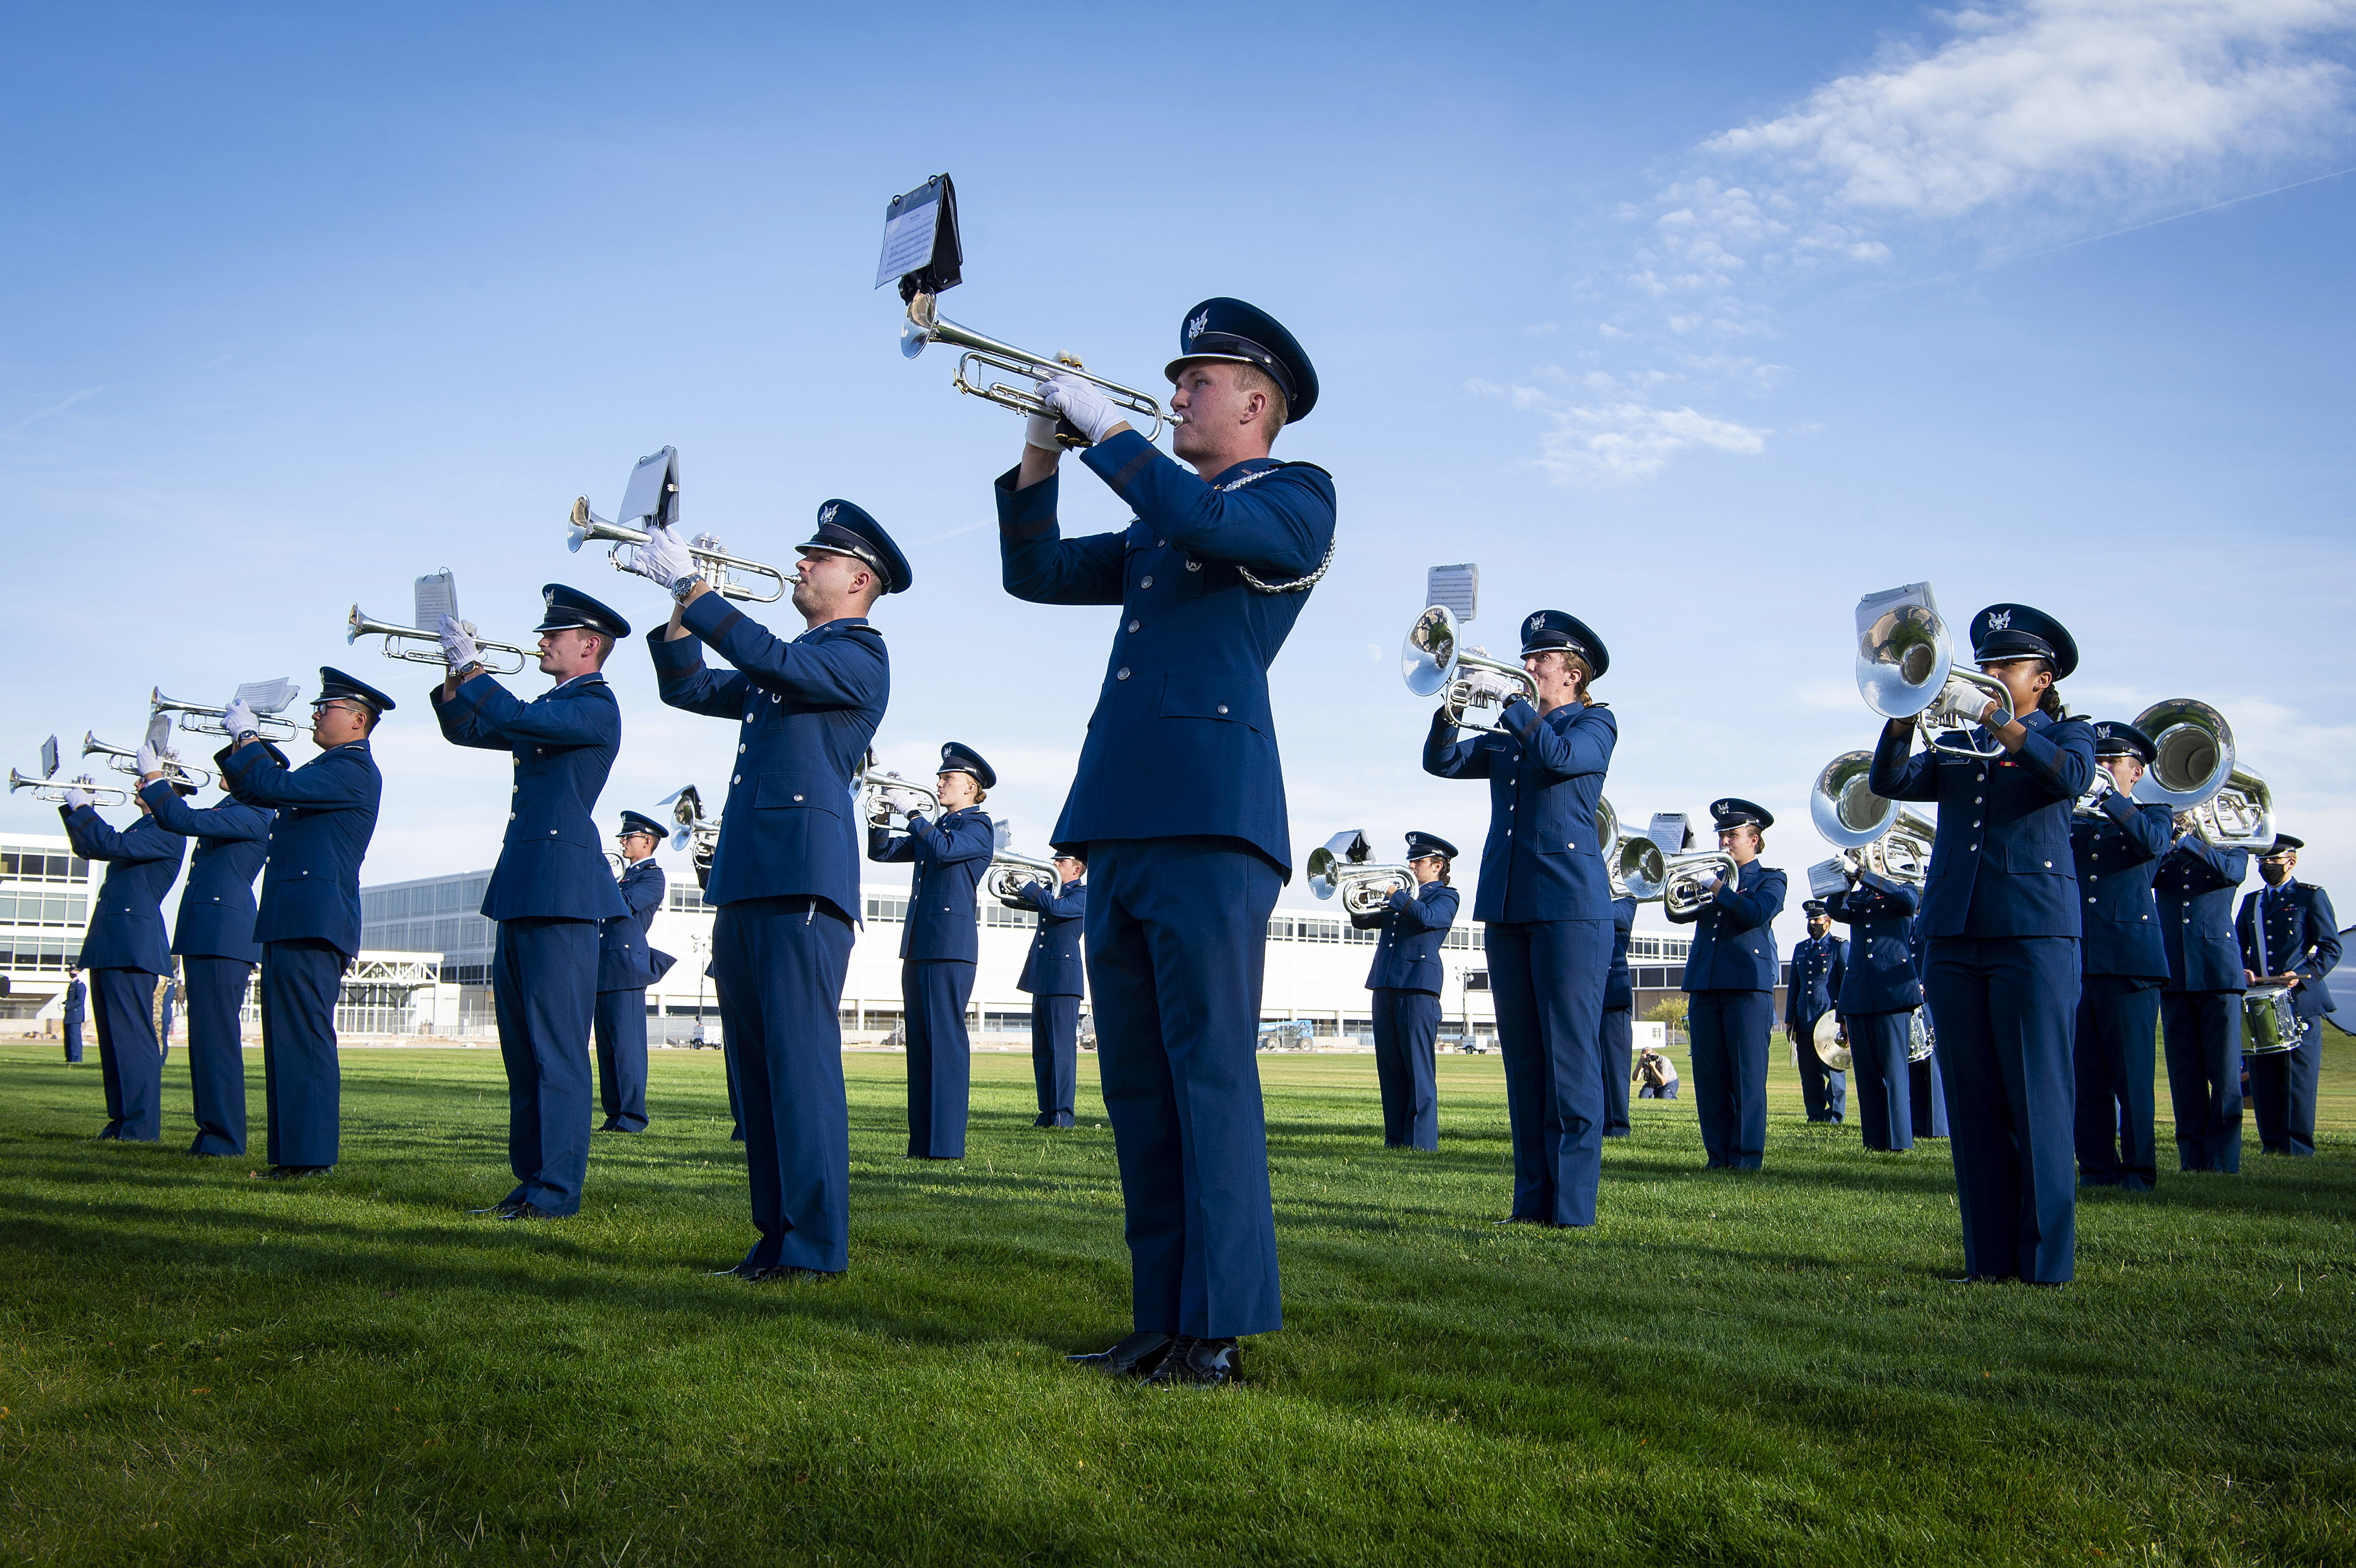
point(683, 586)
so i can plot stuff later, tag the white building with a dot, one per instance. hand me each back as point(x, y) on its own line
point(45, 898)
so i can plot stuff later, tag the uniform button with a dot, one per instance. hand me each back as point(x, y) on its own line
point(1223, 708)
point(1121, 673)
point(551, 832)
point(1135, 624)
point(1146, 582)
point(1975, 824)
point(738, 780)
point(740, 748)
point(2048, 865)
point(1194, 565)
point(2090, 900)
point(797, 797)
point(511, 816)
point(1975, 799)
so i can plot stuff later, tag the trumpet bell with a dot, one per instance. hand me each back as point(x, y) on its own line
point(1844, 806)
point(1427, 656)
point(2193, 747)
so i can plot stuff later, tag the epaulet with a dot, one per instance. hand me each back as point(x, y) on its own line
point(1311, 467)
point(867, 625)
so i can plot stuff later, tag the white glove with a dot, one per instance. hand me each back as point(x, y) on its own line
point(1084, 404)
point(239, 719)
point(150, 760)
point(77, 799)
point(1039, 430)
point(1491, 689)
point(664, 559)
point(1964, 701)
point(907, 803)
point(458, 644)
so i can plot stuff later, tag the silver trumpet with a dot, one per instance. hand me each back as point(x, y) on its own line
point(2196, 773)
point(124, 760)
point(1906, 668)
point(1883, 836)
point(193, 715)
point(872, 783)
point(927, 325)
point(1345, 864)
point(54, 790)
point(1678, 880)
point(694, 828)
point(1435, 662)
point(1009, 872)
point(724, 569)
point(359, 625)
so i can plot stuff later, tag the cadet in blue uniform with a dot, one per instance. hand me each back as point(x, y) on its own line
point(1731, 978)
point(1406, 979)
point(2001, 905)
point(938, 947)
point(1179, 806)
point(626, 964)
point(76, 1011)
point(125, 951)
point(166, 1005)
point(308, 921)
point(213, 938)
point(784, 875)
point(2201, 1009)
point(1055, 978)
point(1879, 991)
point(1616, 1038)
point(550, 888)
point(1929, 1097)
point(1545, 900)
point(1815, 991)
point(2289, 934)
point(2117, 845)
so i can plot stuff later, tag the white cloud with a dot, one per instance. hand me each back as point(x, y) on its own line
point(1622, 441)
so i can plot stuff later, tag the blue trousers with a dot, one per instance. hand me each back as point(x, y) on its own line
point(1055, 1056)
point(72, 1027)
point(1885, 1089)
point(1547, 979)
point(621, 1023)
point(128, 1064)
point(2283, 1083)
point(933, 992)
point(2202, 1032)
point(2006, 1009)
point(1407, 1032)
point(1729, 1031)
point(1823, 1090)
point(216, 993)
point(302, 1083)
point(544, 992)
point(1177, 943)
point(164, 1021)
point(780, 964)
point(1929, 1096)
point(2116, 1016)
point(1616, 1041)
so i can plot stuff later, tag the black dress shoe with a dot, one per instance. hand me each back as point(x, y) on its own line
point(295, 1173)
point(785, 1274)
point(499, 1210)
point(1517, 1220)
point(1135, 1357)
point(740, 1272)
point(529, 1210)
point(1200, 1363)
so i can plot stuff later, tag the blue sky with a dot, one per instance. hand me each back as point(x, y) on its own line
point(1699, 321)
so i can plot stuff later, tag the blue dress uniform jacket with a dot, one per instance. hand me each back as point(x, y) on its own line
point(327, 814)
point(806, 711)
point(1618, 987)
point(1815, 984)
point(626, 959)
point(1734, 933)
point(1878, 974)
point(1406, 955)
point(216, 906)
point(2195, 885)
point(551, 863)
point(2302, 938)
point(1996, 814)
point(1053, 966)
point(950, 856)
point(126, 919)
point(1182, 742)
point(2117, 856)
point(1544, 863)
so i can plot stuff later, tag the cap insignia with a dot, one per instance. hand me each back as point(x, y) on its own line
point(826, 513)
point(1999, 621)
point(1196, 327)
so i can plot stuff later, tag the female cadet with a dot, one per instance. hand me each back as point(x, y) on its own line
point(2200, 1008)
point(1546, 903)
point(2001, 902)
point(1405, 979)
point(1879, 992)
point(1731, 980)
point(938, 947)
point(2117, 845)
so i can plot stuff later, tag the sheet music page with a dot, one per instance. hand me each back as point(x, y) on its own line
point(49, 757)
point(437, 596)
point(908, 226)
point(1667, 829)
point(269, 696)
point(1827, 878)
point(159, 732)
point(1457, 587)
point(651, 497)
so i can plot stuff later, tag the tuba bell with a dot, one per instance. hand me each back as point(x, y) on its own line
point(1434, 662)
point(1886, 837)
point(2196, 772)
point(1345, 864)
point(1009, 872)
point(1906, 668)
point(1676, 878)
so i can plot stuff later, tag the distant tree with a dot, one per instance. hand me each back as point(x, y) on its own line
point(1669, 1010)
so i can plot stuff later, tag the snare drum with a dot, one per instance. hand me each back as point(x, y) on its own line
point(2270, 1021)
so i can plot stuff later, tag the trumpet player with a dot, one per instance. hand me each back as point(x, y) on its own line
point(2201, 1006)
point(213, 938)
point(2290, 935)
point(1406, 979)
point(2001, 902)
point(125, 952)
point(785, 875)
point(1179, 806)
point(1055, 978)
point(1816, 990)
point(1731, 984)
point(550, 889)
point(1547, 911)
point(309, 919)
point(626, 964)
point(1878, 995)
point(938, 947)
point(2117, 845)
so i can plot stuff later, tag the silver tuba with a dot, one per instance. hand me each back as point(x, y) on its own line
point(193, 715)
point(1676, 878)
point(1435, 662)
point(651, 500)
point(1345, 864)
point(1886, 837)
point(1906, 668)
point(125, 759)
point(2195, 773)
point(693, 829)
point(927, 325)
point(1009, 872)
point(872, 781)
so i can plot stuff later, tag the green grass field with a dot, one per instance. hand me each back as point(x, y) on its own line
point(199, 1366)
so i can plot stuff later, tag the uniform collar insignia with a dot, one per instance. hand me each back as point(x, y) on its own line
point(2000, 620)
